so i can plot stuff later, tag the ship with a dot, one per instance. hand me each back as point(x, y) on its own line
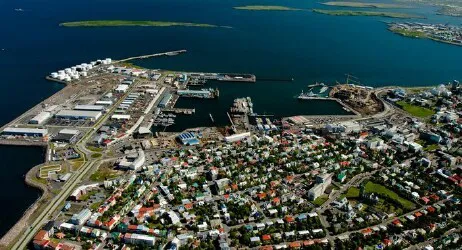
point(306, 96)
point(172, 53)
point(211, 118)
point(323, 89)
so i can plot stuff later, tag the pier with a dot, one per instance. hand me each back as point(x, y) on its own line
point(169, 53)
point(183, 111)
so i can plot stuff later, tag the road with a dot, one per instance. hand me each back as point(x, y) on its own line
point(71, 184)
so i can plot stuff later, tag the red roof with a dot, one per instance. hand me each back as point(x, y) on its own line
point(289, 218)
point(418, 214)
point(308, 242)
point(396, 222)
point(41, 235)
point(431, 209)
point(266, 248)
point(367, 231)
point(295, 244)
point(266, 237)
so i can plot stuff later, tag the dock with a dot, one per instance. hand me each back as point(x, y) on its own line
point(232, 77)
point(183, 111)
point(55, 80)
point(169, 53)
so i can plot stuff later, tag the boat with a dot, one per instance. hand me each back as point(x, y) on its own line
point(306, 96)
point(211, 118)
point(323, 89)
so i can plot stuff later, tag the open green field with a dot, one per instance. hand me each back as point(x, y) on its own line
point(46, 169)
point(320, 200)
point(366, 13)
point(352, 192)
point(119, 23)
point(266, 7)
point(382, 190)
point(104, 173)
point(96, 155)
point(409, 33)
point(415, 110)
point(365, 5)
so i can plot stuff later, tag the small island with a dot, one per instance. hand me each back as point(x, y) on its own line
point(366, 13)
point(366, 5)
point(119, 23)
point(266, 8)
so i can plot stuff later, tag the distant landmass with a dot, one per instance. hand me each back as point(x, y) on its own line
point(267, 7)
point(366, 13)
point(365, 5)
point(116, 23)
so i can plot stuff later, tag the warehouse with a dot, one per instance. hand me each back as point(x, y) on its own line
point(165, 100)
point(25, 131)
point(121, 88)
point(66, 136)
point(104, 103)
point(40, 118)
point(120, 117)
point(78, 115)
point(89, 107)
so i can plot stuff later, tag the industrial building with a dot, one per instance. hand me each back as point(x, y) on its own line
point(79, 115)
point(104, 103)
point(40, 118)
point(120, 117)
point(237, 137)
point(39, 132)
point(165, 100)
point(66, 136)
point(188, 138)
point(122, 88)
point(90, 107)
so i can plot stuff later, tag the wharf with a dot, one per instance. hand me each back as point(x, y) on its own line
point(232, 77)
point(169, 53)
point(184, 111)
point(15, 142)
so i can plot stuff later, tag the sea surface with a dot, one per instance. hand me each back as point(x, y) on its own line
point(306, 46)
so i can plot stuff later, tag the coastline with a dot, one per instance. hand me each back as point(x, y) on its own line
point(23, 222)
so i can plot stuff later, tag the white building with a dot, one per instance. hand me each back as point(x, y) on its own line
point(133, 161)
point(40, 118)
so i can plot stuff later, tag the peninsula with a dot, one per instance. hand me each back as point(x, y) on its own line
point(118, 23)
point(266, 8)
point(437, 32)
point(366, 5)
point(366, 13)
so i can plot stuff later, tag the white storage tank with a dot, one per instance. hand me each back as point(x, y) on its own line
point(67, 70)
point(74, 68)
point(61, 72)
point(93, 63)
point(67, 78)
point(54, 75)
point(61, 77)
point(75, 76)
point(108, 60)
point(84, 73)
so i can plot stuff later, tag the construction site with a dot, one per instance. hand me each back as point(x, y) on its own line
point(357, 96)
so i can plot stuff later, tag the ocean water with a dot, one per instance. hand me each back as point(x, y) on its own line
point(306, 46)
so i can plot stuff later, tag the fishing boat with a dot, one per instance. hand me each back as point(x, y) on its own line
point(211, 118)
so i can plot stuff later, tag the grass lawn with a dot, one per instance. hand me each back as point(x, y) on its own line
point(103, 173)
point(365, 13)
point(415, 110)
point(320, 200)
point(431, 147)
point(96, 205)
point(382, 190)
point(94, 149)
point(96, 155)
point(352, 192)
